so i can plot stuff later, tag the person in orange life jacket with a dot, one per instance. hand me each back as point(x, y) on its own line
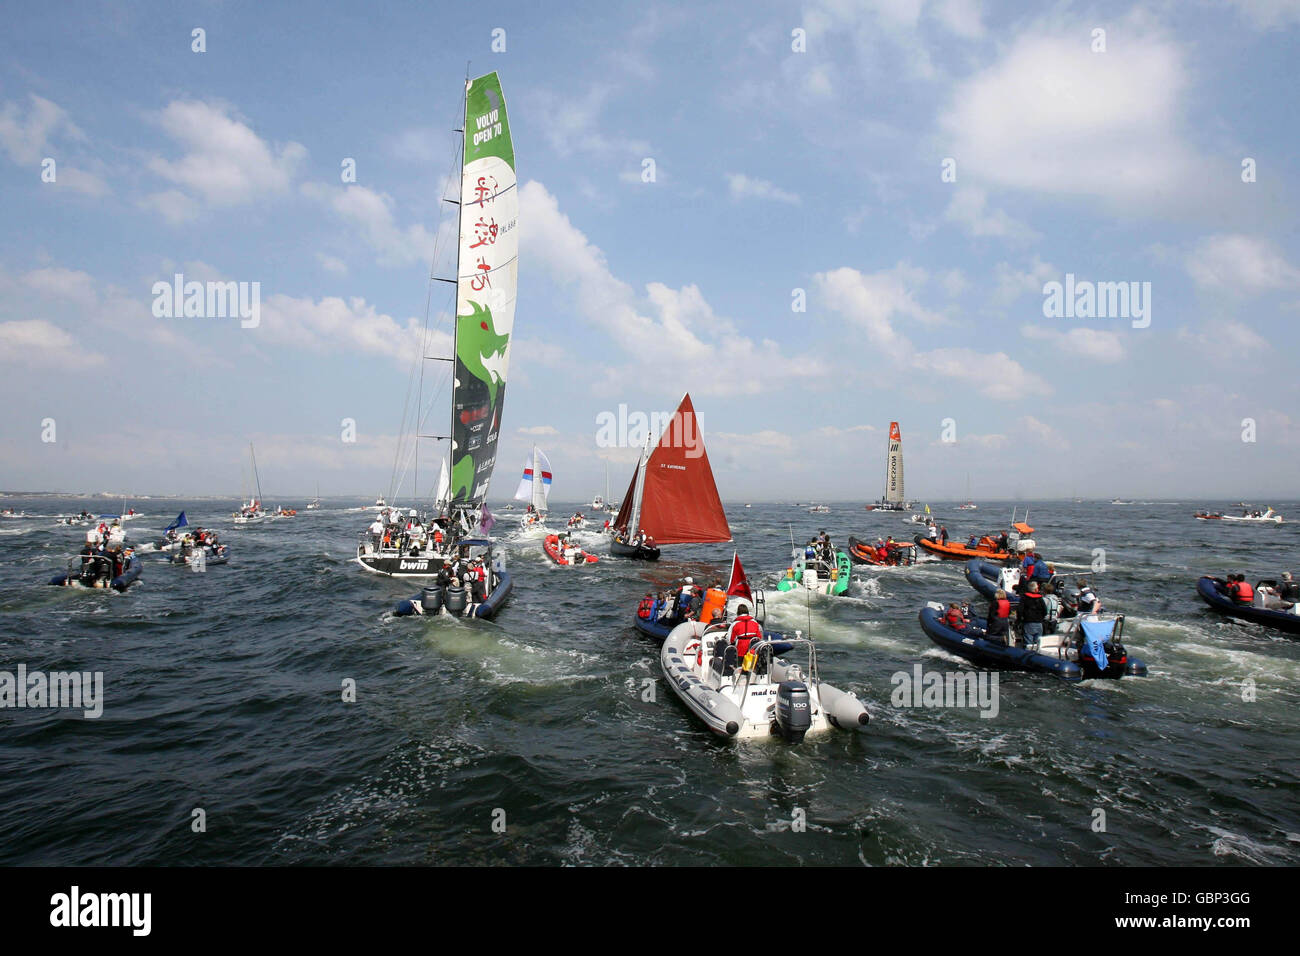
point(646, 607)
point(1031, 614)
point(744, 631)
point(954, 618)
point(999, 616)
point(1239, 590)
point(714, 599)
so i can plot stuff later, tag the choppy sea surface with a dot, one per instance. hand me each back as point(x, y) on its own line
point(549, 737)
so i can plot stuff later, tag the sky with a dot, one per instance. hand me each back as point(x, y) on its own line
point(815, 218)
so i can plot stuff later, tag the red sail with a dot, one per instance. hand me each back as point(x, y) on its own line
point(738, 585)
point(680, 503)
point(625, 506)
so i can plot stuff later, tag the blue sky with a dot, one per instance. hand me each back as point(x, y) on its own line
point(775, 170)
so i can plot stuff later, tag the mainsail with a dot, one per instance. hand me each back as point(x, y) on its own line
point(673, 497)
point(894, 467)
point(535, 485)
point(486, 280)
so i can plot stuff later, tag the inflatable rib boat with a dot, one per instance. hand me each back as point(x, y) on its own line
point(458, 601)
point(1090, 649)
point(815, 575)
point(860, 552)
point(202, 556)
point(96, 571)
point(1214, 592)
point(558, 554)
point(760, 696)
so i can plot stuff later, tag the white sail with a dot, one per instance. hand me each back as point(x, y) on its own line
point(535, 485)
point(894, 467)
point(444, 486)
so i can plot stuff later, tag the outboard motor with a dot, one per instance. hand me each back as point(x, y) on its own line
point(431, 599)
point(456, 600)
point(793, 710)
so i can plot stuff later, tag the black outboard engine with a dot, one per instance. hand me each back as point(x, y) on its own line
point(456, 600)
point(793, 710)
point(431, 599)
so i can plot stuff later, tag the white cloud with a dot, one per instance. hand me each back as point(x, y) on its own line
point(874, 301)
point(1243, 264)
point(1226, 341)
point(172, 204)
point(372, 213)
point(996, 376)
point(574, 124)
point(748, 187)
point(1012, 283)
point(41, 344)
point(80, 181)
point(960, 17)
point(1081, 342)
point(968, 209)
point(332, 264)
point(536, 430)
point(333, 324)
point(224, 162)
point(27, 140)
point(1051, 116)
point(1044, 433)
point(678, 330)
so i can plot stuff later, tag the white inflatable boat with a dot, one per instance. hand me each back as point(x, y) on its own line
point(762, 695)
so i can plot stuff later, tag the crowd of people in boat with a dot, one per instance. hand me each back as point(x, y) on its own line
point(474, 574)
point(568, 550)
point(638, 540)
point(105, 555)
point(1269, 595)
point(407, 534)
point(1039, 610)
point(939, 534)
point(888, 551)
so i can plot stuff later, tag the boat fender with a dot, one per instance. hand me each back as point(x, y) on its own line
point(843, 709)
point(793, 710)
point(431, 599)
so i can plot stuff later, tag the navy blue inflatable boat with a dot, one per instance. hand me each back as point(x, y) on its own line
point(458, 601)
point(1100, 638)
point(96, 571)
point(1214, 592)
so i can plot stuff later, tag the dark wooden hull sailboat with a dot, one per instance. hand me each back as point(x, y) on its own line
point(672, 498)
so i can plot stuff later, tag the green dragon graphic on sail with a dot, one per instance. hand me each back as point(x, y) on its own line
point(486, 284)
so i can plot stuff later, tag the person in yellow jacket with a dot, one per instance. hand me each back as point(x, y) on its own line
point(714, 599)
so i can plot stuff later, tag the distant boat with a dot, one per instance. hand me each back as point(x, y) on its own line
point(315, 502)
point(969, 505)
point(893, 499)
point(252, 511)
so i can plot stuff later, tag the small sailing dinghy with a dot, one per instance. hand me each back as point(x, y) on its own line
point(535, 488)
point(252, 512)
point(672, 498)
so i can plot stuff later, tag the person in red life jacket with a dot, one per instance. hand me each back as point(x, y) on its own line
point(954, 618)
point(744, 631)
point(644, 608)
point(1240, 591)
point(999, 617)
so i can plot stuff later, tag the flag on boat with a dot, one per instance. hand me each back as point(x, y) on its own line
point(180, 522)
point(486, 521)
point(738, 585)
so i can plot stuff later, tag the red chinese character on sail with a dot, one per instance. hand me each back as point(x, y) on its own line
point(479, 283)
point(482, 190)
point(486, 232)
